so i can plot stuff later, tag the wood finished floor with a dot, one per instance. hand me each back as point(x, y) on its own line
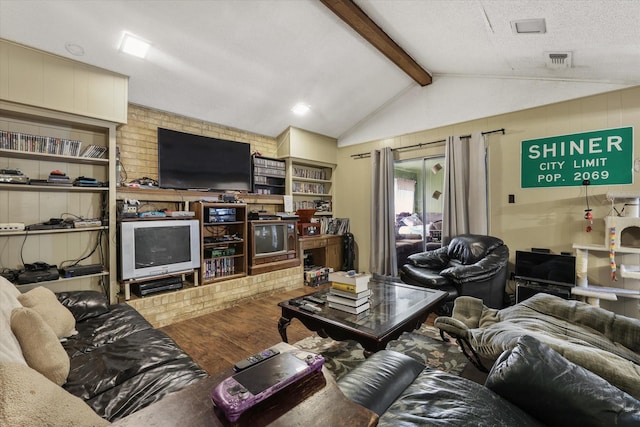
point(216, 341)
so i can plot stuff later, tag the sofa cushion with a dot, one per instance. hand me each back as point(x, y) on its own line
point(131, 372)
point(45, 302)
point(437, 398)
point(120, 321)
point(30, 399)
point(558, 392)
point(419, 276)
point(9, 347)
point(471, 248)
point(379, 380)
point(84, 304)
point(40, 346)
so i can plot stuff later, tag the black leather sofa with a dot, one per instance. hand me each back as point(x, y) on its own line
point(472, 265)
point(529, 385)
point(119, 362)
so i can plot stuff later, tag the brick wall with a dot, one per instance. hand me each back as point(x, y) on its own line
point(170, 307)
point(138, 139)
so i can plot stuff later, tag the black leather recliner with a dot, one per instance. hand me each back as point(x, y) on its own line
point(470, 264)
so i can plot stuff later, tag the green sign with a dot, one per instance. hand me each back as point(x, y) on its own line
point(603, 157)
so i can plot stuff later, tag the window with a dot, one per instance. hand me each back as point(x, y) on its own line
point(418, 184)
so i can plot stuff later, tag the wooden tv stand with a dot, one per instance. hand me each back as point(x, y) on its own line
point(325, 249)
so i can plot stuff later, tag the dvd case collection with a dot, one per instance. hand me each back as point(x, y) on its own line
point(19, 141)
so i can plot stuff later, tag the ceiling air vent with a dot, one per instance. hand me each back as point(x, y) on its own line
point(558, 60)
point(529, 26)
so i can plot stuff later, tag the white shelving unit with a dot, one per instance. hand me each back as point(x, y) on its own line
point(33, 204)
point(626, 292)
point(310, 183)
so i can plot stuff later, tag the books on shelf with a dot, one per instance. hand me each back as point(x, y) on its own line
point(349, 309)
point(349, 282)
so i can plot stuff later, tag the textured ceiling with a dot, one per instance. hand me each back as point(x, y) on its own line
point(244, 63)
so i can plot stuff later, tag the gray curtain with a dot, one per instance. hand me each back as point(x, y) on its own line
point(465, 187)
point(382, 258)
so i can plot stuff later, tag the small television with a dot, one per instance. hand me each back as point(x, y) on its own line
point(195, 162)
point(158, 247)
point(539, 267)
point(273, 245)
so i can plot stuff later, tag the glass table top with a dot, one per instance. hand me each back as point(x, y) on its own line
point(392, 303)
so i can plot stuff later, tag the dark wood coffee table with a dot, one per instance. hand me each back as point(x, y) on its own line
point(395, 308)
point(314, 401)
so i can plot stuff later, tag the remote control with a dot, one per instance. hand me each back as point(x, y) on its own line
point(311, 308)
point(255, 359)
point(296, 301)
point(315, 299)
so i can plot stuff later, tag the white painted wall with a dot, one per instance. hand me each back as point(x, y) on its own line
point(450, 100)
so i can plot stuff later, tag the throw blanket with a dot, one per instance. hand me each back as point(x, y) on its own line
point(596, 339)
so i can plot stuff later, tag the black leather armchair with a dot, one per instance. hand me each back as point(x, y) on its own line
point(472, 265)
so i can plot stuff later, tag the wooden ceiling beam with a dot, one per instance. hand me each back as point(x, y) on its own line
point(355, 17)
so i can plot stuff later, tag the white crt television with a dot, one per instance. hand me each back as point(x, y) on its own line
point(158, 247)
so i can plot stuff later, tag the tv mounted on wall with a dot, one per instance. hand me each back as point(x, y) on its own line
point(156, 248)
point(546, 268)
point(195, 162)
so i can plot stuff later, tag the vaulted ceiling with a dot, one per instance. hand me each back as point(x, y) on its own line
point(245, 63)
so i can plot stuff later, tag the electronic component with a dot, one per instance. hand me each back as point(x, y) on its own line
point(255, 359)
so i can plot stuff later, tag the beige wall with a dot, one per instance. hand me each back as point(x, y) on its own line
point(549, 218)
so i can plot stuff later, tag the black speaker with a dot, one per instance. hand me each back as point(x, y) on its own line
point(527, 290)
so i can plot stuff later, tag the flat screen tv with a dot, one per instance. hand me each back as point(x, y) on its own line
point(195, 162)
point(546, 268)
point(159, 247)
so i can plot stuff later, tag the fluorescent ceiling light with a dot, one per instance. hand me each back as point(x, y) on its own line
point(529, 26)
point(134, 45)
point(300, 109)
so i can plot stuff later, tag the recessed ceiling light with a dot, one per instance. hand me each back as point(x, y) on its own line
point(300, 109)
point(134, 45)
point(529, 26)
point(74, 49)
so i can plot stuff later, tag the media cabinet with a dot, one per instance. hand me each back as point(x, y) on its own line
point(325, 249)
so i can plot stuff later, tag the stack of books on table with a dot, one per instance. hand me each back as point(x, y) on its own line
point(349, 292)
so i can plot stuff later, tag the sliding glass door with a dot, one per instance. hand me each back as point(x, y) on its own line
point(418, 185)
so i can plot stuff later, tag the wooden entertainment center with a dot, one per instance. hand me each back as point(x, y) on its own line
point(326, 250)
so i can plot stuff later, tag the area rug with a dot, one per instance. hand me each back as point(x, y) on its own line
point(423, 344)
